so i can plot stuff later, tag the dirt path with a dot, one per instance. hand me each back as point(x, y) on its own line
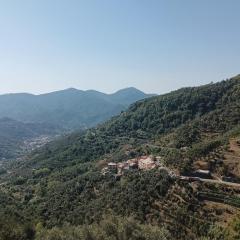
point(235, 147)
point(232, 157)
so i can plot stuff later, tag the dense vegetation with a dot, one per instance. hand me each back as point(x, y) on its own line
point(58, 192)
point(163, 124)
point(70, 108)
point(13, 133)
point(25, 116)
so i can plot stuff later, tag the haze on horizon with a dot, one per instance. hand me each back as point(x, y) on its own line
point(156, 46)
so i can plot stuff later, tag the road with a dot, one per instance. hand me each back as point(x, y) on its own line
point(220, 182)
point(197, 179)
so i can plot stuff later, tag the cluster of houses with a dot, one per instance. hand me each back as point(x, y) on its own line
point(140, 163)
point(148, 163)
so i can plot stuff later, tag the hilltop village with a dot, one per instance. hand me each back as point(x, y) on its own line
point(143, 163)
point(146, 163)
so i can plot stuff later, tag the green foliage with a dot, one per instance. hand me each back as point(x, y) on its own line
point(68, 109)
point(3, 171)
point(42, 172)
point(13, 133)
point(187, 135)
point(10, 230)
point(110, 228)
point(216, 233)
point(19, 180)
point(203, 148)
point(61, 185)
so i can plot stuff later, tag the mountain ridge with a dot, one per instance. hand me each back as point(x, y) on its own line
point(73, 89)
point(71, 108)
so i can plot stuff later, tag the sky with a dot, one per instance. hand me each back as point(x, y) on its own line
point(154, 45)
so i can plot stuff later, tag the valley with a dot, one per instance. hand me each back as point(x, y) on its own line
point(18, 138)
point(32, 144)
point(168, 164)
point(29, 121)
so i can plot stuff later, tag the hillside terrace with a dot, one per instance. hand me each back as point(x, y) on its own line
point(140, 163)
point(146, 163)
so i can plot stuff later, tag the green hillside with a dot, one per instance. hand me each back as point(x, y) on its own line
point(62, 186)
point(13, 133)
point(68, 109)
point(178, 119)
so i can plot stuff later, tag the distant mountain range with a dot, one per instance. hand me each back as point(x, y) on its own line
point(26, 116)
point(68, 109)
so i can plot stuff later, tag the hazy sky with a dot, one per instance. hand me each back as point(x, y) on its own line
point(154, 45)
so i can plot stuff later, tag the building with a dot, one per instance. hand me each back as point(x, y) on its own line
point(141, 163)
point(120, 167)
point(112, 167)
point(228, 179)
point(125, 169)
point(133, 166)
point(202, 173)
point(146, 163)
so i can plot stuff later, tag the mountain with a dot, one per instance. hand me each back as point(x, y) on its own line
point(60, 191)
point(10, 128)
point(70, 108)
point(127, 96)
point(13, 134)
point(25, 117)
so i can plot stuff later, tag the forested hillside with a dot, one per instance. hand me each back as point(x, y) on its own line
point(60, 193)
point(13, 134)
point(69, 109)
point(181, 118)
